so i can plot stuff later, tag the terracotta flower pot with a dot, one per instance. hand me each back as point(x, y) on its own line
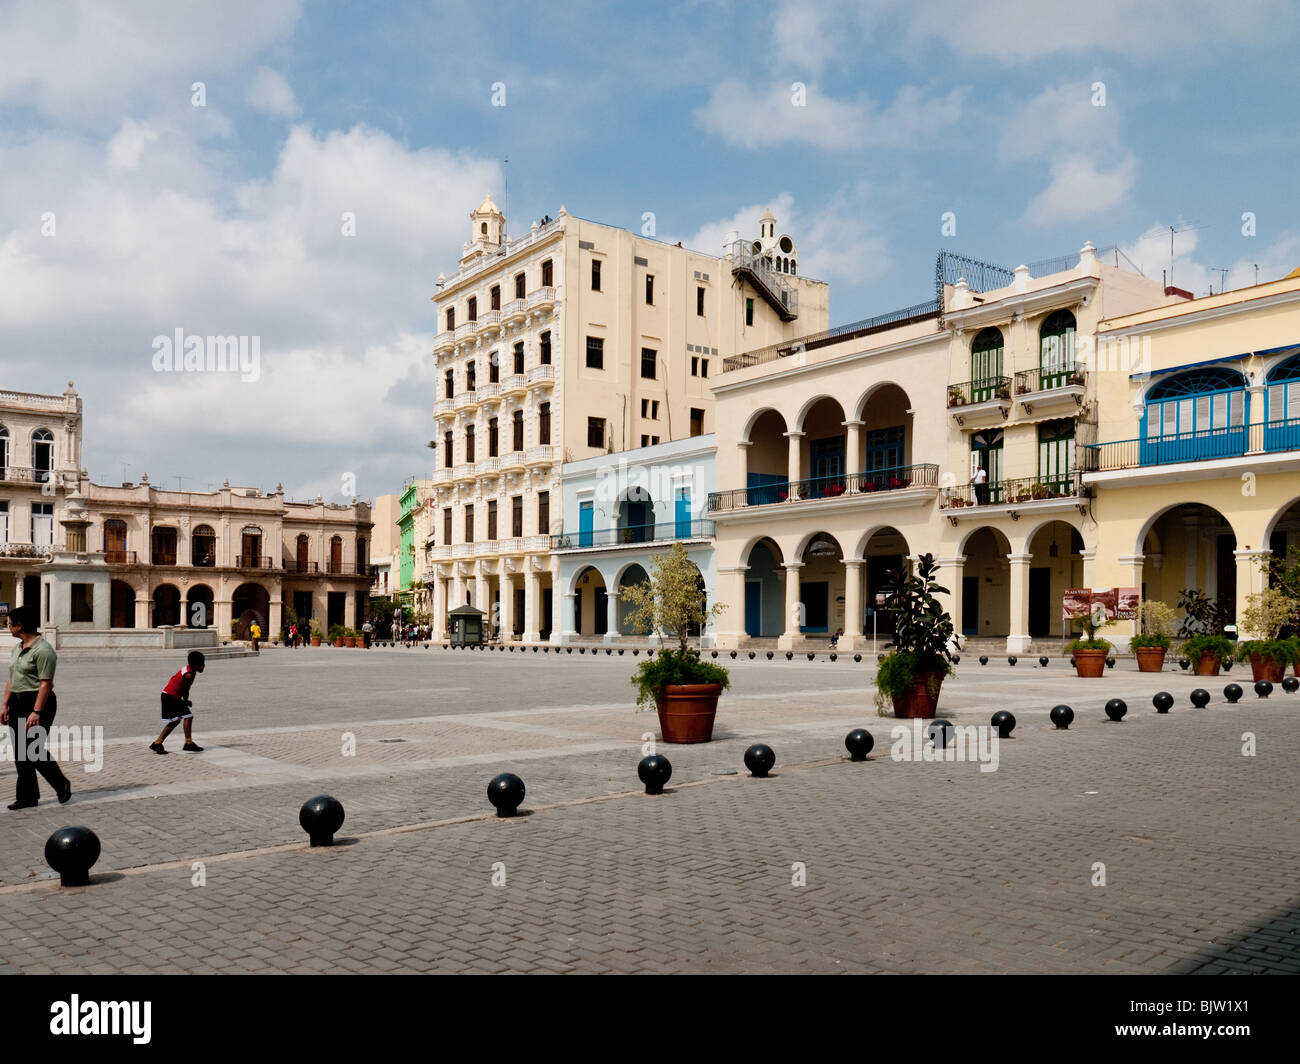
point(922, 698)
point(1090, 662)
point(1206, 665)
point(687, 712)
point(349, 641)
point(1150, 659)
point(315, 640)
point(1263, 667)
point(338, 642)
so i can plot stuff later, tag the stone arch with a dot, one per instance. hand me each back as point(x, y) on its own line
point(121, 604)
point(200, 595)
point(250, 602)
point(166, 605)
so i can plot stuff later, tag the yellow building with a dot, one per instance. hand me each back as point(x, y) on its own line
point(1196, 468)
point(575, 340)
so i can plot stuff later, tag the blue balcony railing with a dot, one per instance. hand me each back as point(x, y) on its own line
point(895, 478)
point(1206, 445)
point(663, 532)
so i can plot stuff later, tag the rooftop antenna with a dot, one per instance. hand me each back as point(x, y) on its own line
point(1222, 271)
point(1181, 227)
point(1256, 265)
point(180, 486)
point(127, 465)
point(505, 210)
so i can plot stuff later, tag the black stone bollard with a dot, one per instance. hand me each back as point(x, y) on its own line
point(1116, 708)
point(857, 657)
point(759, 759)
point(733, 655)
point(654, 771)
point(1227, 666)
point(1110, 663)
point(940, 732)
point(1011, 661)
point(832, 657)
point(1062, 717)
point(581, 650)
point(506, 792)
point(1043, 662)
point(715, 653)
point(635, 653)
point(956, 659)
point(649, 653)
point(620, 652)
point(859, 743)
point(1200, 698)
point(569, 649)
point(752, 655)
point(770, 655)
point(1232, 693)
point(609, 651)
point(1164, 701)
point(321, 817)
point(1183, 663)
point(789, 655)
point(1005, 722)
point(71, 852)
point(811, 655)
point(1290, 685)
point(984, 659)
point(1263, 688)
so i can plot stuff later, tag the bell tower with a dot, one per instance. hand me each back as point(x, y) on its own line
point(487, 230)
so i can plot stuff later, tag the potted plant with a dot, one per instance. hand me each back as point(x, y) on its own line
point(349, 637)
point(1151, 644)
point(1206, 646)
point(336, 635)
point(1208, 653)
point(315, 632)
point(1284, 574)
point(1267, 613)
point(1089, 653)
point(684, 689)
point(910, 676)
point(955, 397)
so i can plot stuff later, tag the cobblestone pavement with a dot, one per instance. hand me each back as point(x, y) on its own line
point(910, 866)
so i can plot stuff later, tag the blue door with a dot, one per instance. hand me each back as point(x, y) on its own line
point(586, 523)
point(683, 514)
point(753, 607)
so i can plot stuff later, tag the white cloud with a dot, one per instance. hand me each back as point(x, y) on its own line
point(127, 144)
point(270, 93)
point(88, 61)
point(1150, 252)
point(751, 118)
point(1080, 188)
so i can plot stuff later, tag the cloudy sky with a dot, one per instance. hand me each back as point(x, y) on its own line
point(128, 212)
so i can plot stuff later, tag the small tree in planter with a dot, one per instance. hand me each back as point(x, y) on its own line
point(910, 676)
point(1089, 653)
point(1208, 653)
point(684, 689)
point(1267, 613)
point(1151, 643)
point(1206, 646)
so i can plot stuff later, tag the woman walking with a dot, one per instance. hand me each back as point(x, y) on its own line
point(29, 703)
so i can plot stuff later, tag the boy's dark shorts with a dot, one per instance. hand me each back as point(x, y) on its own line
point(174, 709)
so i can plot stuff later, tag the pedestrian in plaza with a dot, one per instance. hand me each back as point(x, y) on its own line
point(980, 480)
point(367, 630)
point(29, 702)
point(255, 631)
point(293, 636)
point(177, 707)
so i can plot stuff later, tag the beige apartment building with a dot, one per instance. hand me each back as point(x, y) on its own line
point(850, 453)
point(576, 340)
point(200, 559)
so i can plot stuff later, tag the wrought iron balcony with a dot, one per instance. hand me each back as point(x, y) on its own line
point(663, 532)
point(1228, 442)
point(293, 565)
point(987, 390)
point(1030, 381)
point(25, 474)
point(254, 561)
point(1019, 490)
point(855, 485)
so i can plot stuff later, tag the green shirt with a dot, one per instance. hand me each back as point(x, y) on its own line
point(27, 668)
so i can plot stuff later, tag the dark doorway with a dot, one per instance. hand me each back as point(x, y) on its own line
point(1227, 574)
point(337, 607)
point(1040, 600)
point(302, 606)
point(519, 611)
point(970, 605)
point(601, 608)
point(121, 605)
point(753, 607)
point(547, 605)
point(816, 603)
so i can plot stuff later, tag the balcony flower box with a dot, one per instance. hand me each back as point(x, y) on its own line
point(834, 489)
point(782, 496)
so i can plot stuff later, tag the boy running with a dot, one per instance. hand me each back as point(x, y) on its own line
point(177, 707)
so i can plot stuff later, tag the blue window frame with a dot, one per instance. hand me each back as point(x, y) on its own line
point(683, 513)
point(885, 448)
point(1282, 406)
point(764, 488)
point(1193, 416)
point(586, 523)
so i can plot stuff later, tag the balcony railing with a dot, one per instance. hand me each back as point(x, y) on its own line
point(512, 460)
point(1206, 445)
point(516, 382)
point(541, 374)
point(443, 406)
point(163, 557)
point(1012, 490)
point(292, 565)
point(1041, 380)
point(26, 550)
point(254, 561)
point(444, 338)
point(663, 532)
point(876, 481)
point(120, 557)
point(462, 550)
point(440, 552)
point(544, 453)
point(466, 398)
point(516, 308)
point(540, 296)
point(346, 569)
point(980, 391)
point(489, 317)
point(25, 474)
point(465, 330)
point(488, 391)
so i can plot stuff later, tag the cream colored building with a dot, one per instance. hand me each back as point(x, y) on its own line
point(575, 340)
point(1196, 468)
point(384, 543)
point(842, 457)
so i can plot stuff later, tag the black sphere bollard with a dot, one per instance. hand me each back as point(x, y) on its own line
point(759, 759)
point(649, 653)
point(71, 852)
point(1062, 717)
point(770, 655)
point(1200, 698)
point(654, 771)
point(1263, 688)
point(1227, 666)
point(1164, 701)
point(789, 655)
point(833, 657)
point(956, 659)
point(620, 652)
point(940, 732)
point(581, 650)
point(1183, 663)
point(569, 649)
point(859, 743)
point(321, 817)
point(1110, 663)
point(811, 655)
point(1011, 661)
point(715, 653)
point(984, 659)
point(609, 651)
point(1043, 661)
point(506, 792)
point(1005, 722)
point(1290, 685)
point(1116, 708)
point(752, 655)
point(733, 655)
point(635, 653)
point(1232, 693)
point(857, 657)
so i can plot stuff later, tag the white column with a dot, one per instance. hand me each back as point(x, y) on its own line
point(1090, 568)
point(557, 602)
point(1251, 580)
point(742, 463)
point(731, 624)
point(439, 621)
point(1018, 637)
point(791, 634)
point(611, 617)
point(950, 576)
point(853, 457)
point(507, 592)
point(792, 460)
point(852, 637)
point(532, 605)
point(1191, 540)
point(570, 630)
